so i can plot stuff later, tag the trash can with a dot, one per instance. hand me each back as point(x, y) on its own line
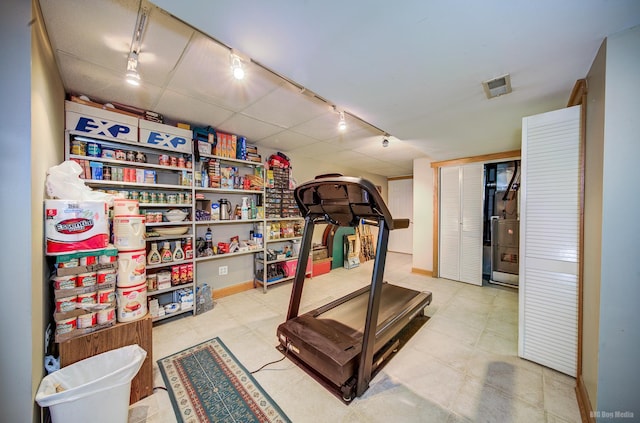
point(94, 390)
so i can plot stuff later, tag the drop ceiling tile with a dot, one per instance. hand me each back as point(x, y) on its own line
point(346, 156)
point(396, 150)
point(97, 31)
point(106, 30)
point(392, 171)
point(354, 140)
point(254, 130)
point(205, 73)
point(183, 108)
point(319, 150)
point(322, 128)
point(163, 44)
point(286, 141)
point(286, 107)
point(104, 85)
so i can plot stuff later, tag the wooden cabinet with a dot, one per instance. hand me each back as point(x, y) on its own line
point(117, 336)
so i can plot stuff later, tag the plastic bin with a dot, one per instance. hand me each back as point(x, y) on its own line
point(95, 389)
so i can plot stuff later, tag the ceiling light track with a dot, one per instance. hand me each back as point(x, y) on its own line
point(132, 75)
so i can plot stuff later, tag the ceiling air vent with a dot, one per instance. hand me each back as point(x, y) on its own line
point(497, 86)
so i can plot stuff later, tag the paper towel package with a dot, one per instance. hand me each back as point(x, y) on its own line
point(72, 226)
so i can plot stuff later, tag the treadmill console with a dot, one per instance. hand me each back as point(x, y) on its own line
point(342, 201)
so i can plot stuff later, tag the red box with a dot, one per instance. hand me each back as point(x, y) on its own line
point(320, 267)
point(290, 267)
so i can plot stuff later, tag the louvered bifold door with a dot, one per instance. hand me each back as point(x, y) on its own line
point(449, 223)
point(471, 228)
point(549, 239)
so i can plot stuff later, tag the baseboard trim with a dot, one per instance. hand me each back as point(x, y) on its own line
point(421, 271)
point(233, 289)
point(586, 411)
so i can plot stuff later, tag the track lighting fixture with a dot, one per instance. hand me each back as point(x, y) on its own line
point(236, 67)
point(342, 124)
point(132, 76)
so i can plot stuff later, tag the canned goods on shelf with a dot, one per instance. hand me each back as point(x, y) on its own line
point(78, 148)
point(93, 149)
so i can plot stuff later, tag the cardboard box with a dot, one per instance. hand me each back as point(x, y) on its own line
point(165, 136)
point(95, 121)
point(204, 147)
point(320, 253)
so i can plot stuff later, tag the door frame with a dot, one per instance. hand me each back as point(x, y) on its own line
point(512, 155)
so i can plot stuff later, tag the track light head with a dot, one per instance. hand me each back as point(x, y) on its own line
point(236, 67)
point(132, 76)
point(342, 124)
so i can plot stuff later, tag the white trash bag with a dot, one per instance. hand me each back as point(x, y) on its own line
point(64, 182)
point(93, 390)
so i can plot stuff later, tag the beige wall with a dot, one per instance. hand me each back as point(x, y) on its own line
point(611, 334)
point(422, 215)
point(47, 128)
point(591, 266)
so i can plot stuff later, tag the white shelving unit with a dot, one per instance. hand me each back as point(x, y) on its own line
point(236, 267)
point(164, 187)
point(168, 182)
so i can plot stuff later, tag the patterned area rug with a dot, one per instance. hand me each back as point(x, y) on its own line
point(207, 383)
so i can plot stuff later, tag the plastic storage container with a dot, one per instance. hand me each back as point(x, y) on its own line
point(94, 390)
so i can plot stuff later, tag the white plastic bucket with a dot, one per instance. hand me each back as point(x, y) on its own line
point(132, 268)
point(128, 232)
point(95, 389)
point(122, 207)
point(132, 303)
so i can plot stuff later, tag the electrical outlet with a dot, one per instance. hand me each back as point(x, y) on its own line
point(223, 270)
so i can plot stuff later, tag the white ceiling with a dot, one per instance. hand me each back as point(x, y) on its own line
point(412, 69)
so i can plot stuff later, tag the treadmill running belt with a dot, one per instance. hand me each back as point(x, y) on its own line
point(352, 314)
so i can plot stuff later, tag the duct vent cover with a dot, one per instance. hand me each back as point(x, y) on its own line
point(497, 86)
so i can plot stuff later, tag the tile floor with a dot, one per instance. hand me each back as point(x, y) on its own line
point(462, 366)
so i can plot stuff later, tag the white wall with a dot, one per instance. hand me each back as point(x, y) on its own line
point(422, 215)
point(16, 400)
point(619, 344)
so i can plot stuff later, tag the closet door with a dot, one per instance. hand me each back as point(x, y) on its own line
point(449, 223)
point(549, 239)
point(461, 223)
point(471, 227)
point(401, 207)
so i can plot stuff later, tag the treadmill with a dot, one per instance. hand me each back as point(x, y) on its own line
point(344, 343)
